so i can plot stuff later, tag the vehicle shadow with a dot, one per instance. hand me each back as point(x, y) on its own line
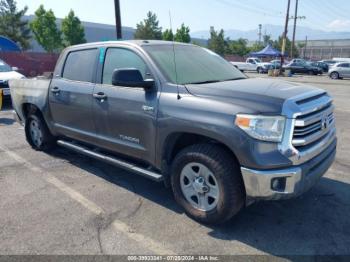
point(153, 191)
point(316, 223)
point(6, 120)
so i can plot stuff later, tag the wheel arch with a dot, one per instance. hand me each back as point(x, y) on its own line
point(177, 141)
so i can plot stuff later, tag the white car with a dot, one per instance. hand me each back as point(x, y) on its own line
point(252, 64)
point(6, 73)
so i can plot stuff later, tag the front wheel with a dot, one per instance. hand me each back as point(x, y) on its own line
point(207, 183)
point(334, 75)
point(260, 70)
point(37, 133)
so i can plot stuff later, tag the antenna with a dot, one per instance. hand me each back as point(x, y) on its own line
point(177, 83)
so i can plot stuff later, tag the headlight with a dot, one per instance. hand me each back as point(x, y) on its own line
point(266, 128)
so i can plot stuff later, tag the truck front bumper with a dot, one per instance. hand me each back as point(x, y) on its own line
point(288, 182)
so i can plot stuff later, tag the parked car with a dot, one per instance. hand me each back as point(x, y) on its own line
point(6, 73)
point(339, 71)
point(218, 138)
point(321, 65)
point(275, 64)
point(330, 63)
point(303, 68)
point(252, 64)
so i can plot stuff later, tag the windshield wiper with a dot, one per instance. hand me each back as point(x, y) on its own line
point(215, 81)
point(204, 82)
point(232, 79)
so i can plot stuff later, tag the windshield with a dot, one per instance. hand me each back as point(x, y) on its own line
point(4, 67)
point(194, 65)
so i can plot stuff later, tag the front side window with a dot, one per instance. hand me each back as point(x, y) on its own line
point(344, 65)
point(80, 65)
point(118, 58)
point(194, 65)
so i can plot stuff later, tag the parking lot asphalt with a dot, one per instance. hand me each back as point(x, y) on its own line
point(65, 203)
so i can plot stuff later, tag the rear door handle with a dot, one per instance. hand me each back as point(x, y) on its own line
point(55, 90)
point(100, 96)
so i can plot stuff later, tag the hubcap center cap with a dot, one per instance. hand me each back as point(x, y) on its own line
point(200, 186)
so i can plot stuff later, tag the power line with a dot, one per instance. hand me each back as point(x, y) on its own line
point(248, 8)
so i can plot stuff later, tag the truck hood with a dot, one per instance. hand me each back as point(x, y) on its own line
point(257, 95)
point(5, 76)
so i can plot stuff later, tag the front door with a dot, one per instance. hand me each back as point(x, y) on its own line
point(125, 117)
point(70, 95)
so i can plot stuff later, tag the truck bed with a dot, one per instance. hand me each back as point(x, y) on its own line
point(33, 91)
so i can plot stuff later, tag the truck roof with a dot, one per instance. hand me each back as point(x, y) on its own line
point(127, 42)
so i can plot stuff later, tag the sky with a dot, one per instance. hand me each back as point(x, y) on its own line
point(328, 15)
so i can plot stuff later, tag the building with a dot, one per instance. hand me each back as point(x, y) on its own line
point(94, 32)
point(325, 49)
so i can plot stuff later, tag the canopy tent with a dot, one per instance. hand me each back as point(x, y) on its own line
point(7, 44)
point(267, 51)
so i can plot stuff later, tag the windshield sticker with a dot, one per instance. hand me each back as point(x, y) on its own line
point(102, 54)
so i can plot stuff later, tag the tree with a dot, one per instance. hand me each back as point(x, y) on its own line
point(45, 30)
point(168, 35)
point(238, 47)
point(267, 40)
point(278, 45)
point(12, 24)
point(183, 34)
point(149, 28)
point(72, 29)
point(217, 42)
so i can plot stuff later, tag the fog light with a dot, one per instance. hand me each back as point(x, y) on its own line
point(278, 184)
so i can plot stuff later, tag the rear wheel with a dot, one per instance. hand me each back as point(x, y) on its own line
point(207, 183)
point(334, 75)
point(37, 134)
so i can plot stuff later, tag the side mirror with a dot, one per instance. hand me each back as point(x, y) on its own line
point(14, 68)
point(130, 77)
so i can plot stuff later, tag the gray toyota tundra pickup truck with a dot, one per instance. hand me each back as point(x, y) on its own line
point(181, 114)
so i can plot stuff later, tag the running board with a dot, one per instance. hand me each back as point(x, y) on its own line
point(111, 160)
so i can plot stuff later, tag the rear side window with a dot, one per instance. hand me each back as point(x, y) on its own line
point(80, 65)
point(118, 58)
point(343, 65)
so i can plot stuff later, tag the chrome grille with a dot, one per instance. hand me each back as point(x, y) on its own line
point(311, 127)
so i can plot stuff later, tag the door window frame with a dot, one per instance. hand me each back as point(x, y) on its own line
point(104, 49)
point(95, 66)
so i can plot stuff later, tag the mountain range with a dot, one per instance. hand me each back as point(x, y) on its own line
point(275, 31)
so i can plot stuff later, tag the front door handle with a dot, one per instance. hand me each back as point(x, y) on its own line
point(55, 90)
point(100, 96)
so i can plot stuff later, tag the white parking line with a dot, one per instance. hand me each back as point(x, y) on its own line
point(118, 225)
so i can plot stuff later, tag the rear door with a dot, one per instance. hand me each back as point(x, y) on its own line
point(126, 118)
point(70, 95)
point(344, 70)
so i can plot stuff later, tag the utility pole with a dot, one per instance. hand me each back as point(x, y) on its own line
point(285, 34)
point(260, 27)
point(295, 17)
point(295, 26)
point(305, 47)
point(118, 20)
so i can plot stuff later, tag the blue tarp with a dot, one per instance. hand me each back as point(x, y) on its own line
point(267, 51)
point(8, 45)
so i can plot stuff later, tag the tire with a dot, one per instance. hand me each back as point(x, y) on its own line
point(334, 75)
point(260, 70)
point(38, 134)
point(310, 73)
point(222, 188)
